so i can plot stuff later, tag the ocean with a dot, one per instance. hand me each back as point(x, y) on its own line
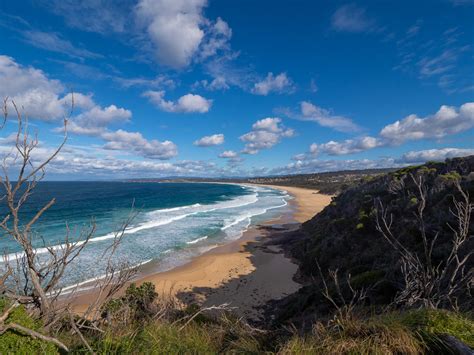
point(174, 222)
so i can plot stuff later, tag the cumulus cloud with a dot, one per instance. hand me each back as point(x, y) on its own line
point(209, 141)
point(351, 18)
point(348, 146)
point(134, 141)
point(41, 98)
point(188, 103)
point(31, 89)
point(422, 156)
point(280, 83)
point(179, 30)
point(95, 120)
point(233, 158)
point(265, 134)
point(448, 120)
point(228, 154)
point(325, 118)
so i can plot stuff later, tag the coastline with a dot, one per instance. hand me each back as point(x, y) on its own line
point(247, 272)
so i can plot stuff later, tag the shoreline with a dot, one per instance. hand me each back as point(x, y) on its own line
point(247, 272)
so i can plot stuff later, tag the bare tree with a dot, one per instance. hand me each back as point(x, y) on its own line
point(33, 276)
point(344, 305)
point(426, 282)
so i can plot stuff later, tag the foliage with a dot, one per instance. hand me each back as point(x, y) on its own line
point(430, 322)
point(14, 342)
point(137, 302)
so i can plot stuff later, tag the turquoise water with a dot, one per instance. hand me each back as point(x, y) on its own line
point(175, 221)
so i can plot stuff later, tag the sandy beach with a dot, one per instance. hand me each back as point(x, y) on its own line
point(245, 273)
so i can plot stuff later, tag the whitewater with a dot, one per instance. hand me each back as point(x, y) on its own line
point(166, 236)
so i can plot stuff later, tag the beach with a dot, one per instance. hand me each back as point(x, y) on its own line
point(246, 273)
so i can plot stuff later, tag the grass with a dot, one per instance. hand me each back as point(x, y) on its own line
point(435, 323)
point(355, 336)
point(396, 332)
point(408, 332)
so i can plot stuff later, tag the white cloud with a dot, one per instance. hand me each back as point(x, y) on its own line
point(233, 158)
point(40, 97)
point(53, 42)
point(448, 120)
point(134, 141)
point(325, 118)
point(188, 103)
point(228, 154)
point(179, 31)
point(316, 165)
point(279, 84)
point(422, 156)
point(208, 141)
point(218, 83)
point(349, 146)
point(265, 134)
point(218, 37)
point(96, 119)
point(351, 18)
point(31, 89)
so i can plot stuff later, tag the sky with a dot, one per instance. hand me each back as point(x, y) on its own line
point(238, 88)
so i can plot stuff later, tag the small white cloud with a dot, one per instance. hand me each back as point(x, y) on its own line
point(325, 118)
point(188, 103)
point(349, 146)
point(228, 154)
point(279, 84)
point(233, 158)
point(135, 142)
point(265, 134)
point(209, 141)
point(351, 18)
point(218, 83)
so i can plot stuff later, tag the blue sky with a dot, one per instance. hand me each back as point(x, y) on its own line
point(236, 88)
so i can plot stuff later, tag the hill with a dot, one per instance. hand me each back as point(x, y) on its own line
point(346, 236)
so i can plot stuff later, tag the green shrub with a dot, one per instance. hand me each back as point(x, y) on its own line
point(451, 176)
point(137, 299)
point(18, 343)
point(440, 322)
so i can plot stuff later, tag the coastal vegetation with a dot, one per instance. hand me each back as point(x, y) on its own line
point(386, 268)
